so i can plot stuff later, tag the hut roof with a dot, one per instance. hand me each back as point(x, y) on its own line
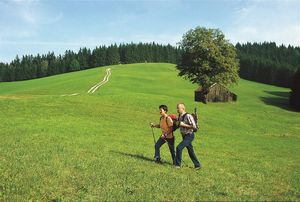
point(200, 89)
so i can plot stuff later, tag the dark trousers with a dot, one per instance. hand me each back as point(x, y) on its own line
point(160, 142)
point(186, 142)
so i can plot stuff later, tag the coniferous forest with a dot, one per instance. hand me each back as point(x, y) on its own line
point(295, 93)
point(262, 62)
point(268, 63)
point(30, 67)
point(272, 64)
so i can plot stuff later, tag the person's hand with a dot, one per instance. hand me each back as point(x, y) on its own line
point(180, 123)
point(164, 136)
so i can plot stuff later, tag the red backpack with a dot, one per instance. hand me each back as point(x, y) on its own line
point(175, 120)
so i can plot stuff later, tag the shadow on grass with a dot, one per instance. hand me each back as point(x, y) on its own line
point(278, 99)
point(279, 94)
point(139, 156)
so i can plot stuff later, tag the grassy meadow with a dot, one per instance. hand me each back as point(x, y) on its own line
point(99, 146)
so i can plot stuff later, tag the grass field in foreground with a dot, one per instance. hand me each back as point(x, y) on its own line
point(99, 146)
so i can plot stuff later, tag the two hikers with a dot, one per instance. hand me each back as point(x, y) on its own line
point(187, 125)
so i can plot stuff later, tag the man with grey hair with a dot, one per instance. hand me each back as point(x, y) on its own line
point(187, 125)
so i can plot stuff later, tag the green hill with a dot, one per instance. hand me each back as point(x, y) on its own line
point(100, 147)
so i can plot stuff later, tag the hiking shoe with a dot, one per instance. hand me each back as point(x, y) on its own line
point(157, 160)
point(177, 167)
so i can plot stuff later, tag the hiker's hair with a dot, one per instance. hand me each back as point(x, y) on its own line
point(164, 107)
point(183, 106)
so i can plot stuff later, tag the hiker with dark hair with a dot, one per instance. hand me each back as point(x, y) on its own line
point(187, 127)
point(166, 126)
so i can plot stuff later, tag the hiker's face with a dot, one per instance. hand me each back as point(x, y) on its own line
point(162, 111)
point(180, 109)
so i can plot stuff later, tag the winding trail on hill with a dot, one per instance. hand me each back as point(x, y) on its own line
point(104, 81)
point(70, 94)
point(95, 87)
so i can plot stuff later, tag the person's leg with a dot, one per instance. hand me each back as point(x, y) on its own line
point(192, 153)
point(172, 148)
point(158, 144)
point(185, 142)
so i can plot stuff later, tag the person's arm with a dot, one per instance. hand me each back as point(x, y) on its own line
point(170, 130)
point(191, 124)
point(182, 124)
point(153, 125)
point(170, 125)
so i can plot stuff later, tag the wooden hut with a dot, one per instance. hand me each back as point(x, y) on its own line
point(215, 93)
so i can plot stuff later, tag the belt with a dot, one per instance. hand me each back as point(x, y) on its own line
point(187, 134)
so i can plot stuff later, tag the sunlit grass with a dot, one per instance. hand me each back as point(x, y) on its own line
point(99, 146)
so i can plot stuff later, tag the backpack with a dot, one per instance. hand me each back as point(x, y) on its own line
point(174, 119)
point(194, 115)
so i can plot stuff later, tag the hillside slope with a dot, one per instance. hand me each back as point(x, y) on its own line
point(100, 147)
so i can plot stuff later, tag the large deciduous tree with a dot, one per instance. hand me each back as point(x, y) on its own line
point(208, 58)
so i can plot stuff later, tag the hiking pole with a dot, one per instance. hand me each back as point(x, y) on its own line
point(153, 134)
point(195, 111)
point(196, 117)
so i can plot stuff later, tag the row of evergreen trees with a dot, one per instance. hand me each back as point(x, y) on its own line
point(30, 67)
point(295, 93)
point(268, 63)
point(261, 62)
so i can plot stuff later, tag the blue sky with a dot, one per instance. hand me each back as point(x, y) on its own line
point(39, 26)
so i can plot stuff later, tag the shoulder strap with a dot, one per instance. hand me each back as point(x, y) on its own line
point(167, 120)
point(168, 124)
point(183, 117)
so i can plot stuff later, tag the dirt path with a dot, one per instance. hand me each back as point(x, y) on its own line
point(95, 87)
point(104, 81)
point(70, 94)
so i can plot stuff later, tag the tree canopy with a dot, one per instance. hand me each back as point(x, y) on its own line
point(207, 58)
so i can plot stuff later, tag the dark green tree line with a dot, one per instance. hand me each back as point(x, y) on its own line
point(261, 62)
point(268, 63)
point(30, 67)
point(295, 93)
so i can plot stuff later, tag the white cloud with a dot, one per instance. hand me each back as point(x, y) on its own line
point(260, 21)
point(34, 47)
point(96, 41)
point(22, 20)
point(24, 10)
point(30, 12)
